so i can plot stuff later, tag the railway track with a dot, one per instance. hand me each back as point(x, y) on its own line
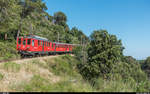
point(4, 61)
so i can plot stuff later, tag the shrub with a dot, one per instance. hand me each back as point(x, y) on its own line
point(8, 50)
point(62, 65)
point(146, 66)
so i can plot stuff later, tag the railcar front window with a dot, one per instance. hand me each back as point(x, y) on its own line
point(28, 41)
point(32, 42)
point(39, 42)
point(19, 41)
point(24, 42)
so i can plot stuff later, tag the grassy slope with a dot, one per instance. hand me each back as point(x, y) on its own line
point(55, 74)
point(51, 74)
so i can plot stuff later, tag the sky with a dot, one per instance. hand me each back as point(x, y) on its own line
point(129, 20)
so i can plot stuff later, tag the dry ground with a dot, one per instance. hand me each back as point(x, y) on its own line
point(25, 73)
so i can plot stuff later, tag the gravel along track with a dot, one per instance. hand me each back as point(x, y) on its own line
point(28, 59)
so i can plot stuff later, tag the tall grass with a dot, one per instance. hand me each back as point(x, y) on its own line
point(40, 84)
point(1, 76)
point(11, 67)
point(70, 80)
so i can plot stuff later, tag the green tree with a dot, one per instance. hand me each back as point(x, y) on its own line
point(104, 51)
point(31, 13)
point(60, 19)
point(9, 17)
point(146, 66)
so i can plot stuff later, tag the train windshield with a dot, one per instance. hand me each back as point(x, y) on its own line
point(24, 42)
point(29, 41)
point(32, 42)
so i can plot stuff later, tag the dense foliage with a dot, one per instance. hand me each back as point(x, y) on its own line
point(146, 66)
point(105, 60)
point(104, 51)
point(101, 54)
point(22, 17)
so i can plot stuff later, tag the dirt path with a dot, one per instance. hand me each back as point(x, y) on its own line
point(35, 58)
point(29, 59)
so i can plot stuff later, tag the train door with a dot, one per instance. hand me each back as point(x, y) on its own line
point(43, 47)
point(55, 47)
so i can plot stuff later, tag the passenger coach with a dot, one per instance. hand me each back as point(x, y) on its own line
point(35, 45)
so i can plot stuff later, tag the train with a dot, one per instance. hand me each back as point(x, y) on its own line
point(33, 45)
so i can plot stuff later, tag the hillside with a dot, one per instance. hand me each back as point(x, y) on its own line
point(54, 73)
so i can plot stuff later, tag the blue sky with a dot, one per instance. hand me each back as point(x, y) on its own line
point(129, 20)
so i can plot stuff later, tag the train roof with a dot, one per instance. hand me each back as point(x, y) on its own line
point(37, 37)
point(64, 43)
point(45, 39)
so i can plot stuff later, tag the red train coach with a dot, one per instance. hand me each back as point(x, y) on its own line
point(35, 45)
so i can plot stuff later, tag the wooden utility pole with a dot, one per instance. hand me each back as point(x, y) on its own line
point(20, 24)
point(19, 29)
point(58, 37)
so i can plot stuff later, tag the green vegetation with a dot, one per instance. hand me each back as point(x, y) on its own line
point(69, 78)
point(63, 65)
point(40, 84)
point(61, 74)
point(98, 65)
point(37, 83)
point(11, 67)
point(146, 66)
point(22, 17)
point(1, 76)
point(105, 61)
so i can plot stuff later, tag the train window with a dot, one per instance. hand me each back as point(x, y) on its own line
point(52, 45)
point(45, 43)
point(19, 41)
point(24, 42)
point(32, 42)
point(28, 41)
point(39, 42)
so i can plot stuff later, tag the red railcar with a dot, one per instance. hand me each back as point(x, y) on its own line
point(35, 45)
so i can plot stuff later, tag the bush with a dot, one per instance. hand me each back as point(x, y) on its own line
point(8, 51)
point(62, 65)
point(146, 66)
